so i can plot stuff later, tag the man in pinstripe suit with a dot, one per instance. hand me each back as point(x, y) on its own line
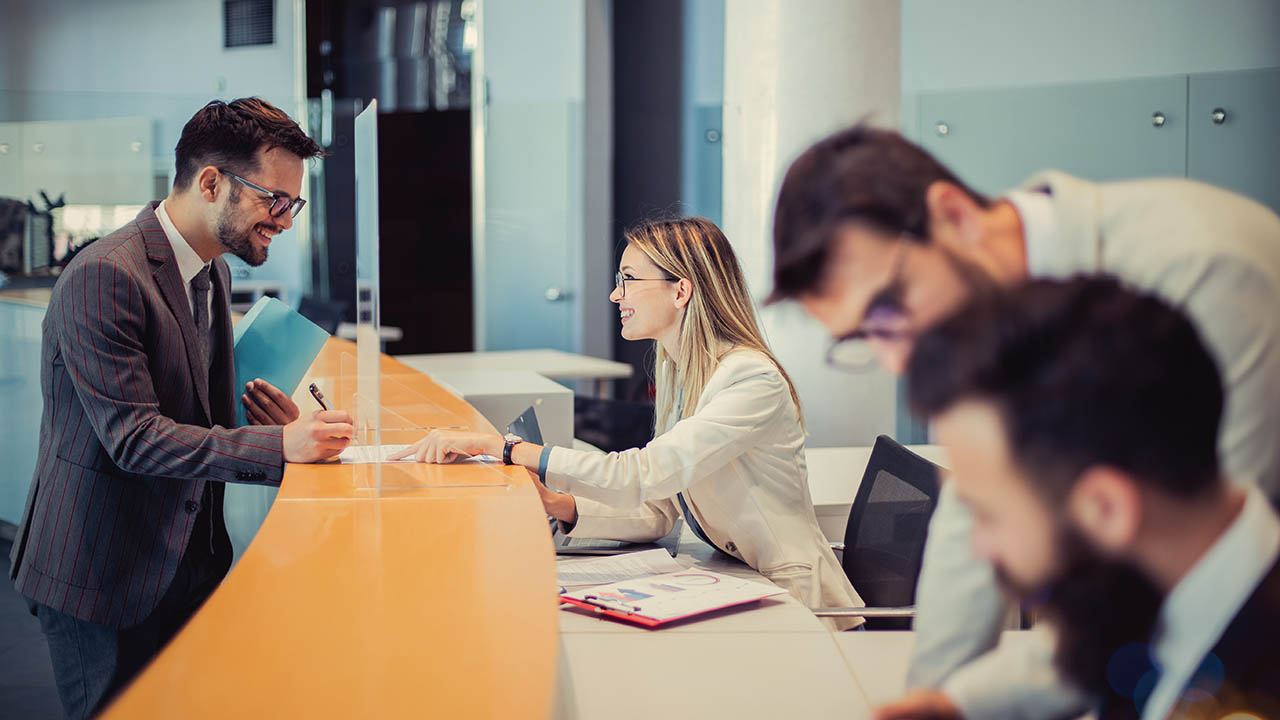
point(123, 537)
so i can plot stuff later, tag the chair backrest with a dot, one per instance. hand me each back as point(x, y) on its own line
point(325, 313)
point(612, 425)
point(888, 524)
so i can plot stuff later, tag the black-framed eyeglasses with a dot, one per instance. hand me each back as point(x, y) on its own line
point(280, 202)
point(885, 319)
point(620, 282)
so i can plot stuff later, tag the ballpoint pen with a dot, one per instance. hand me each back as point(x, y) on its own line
point(319, 396)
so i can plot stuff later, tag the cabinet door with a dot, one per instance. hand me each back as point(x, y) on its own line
point(994, 139)
point(1233, 143)
point(113, 162)
point(11, 161)
point(92, 162)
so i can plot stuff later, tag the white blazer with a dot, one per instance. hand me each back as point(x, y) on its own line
point(739, 460)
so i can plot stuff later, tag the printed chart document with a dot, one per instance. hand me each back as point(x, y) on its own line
point(617, 567)
point(658, 599)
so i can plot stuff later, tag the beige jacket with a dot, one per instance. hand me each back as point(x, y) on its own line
point(1216, 255)
point(739, 459)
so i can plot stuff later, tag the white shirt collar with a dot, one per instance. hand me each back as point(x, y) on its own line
point(1039, 226)
point(1200, 607)
point(189, 262)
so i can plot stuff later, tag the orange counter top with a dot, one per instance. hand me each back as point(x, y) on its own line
point(435, 598)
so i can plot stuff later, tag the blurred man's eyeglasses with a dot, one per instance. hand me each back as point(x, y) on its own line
point(620, 282)
point(280, 203)
point(885, 319)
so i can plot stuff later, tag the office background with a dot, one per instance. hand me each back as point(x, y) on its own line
point(520, 138)
point(526, 136)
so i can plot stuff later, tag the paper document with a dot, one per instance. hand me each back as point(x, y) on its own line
point(363, 454)
point(616, 567)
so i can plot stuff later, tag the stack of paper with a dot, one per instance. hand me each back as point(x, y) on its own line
point(617, 567)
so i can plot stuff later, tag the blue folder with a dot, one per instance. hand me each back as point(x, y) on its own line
point(276, 344)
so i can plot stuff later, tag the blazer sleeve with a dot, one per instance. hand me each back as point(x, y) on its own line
point(645, 523)
point(723, 429)
point(1234, 305)
point(101, 343)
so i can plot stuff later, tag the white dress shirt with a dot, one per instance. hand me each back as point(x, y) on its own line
point(1200, 607)
point(189, 262)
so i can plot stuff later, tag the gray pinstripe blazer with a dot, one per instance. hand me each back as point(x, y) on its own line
point(130, 432)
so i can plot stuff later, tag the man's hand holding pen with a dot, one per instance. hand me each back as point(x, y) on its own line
point(307, 438)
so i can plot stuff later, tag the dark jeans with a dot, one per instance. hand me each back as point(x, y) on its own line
point(91, 662)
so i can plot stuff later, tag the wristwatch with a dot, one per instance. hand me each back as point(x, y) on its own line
point(511, 441)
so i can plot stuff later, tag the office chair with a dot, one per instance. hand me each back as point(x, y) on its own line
point(325, 313)
point(612, 425)
point(884, 539)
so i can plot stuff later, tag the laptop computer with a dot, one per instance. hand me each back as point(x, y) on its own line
point(526, 426)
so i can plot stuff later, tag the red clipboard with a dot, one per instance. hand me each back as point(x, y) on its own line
point(639, 619)
point(659, 599)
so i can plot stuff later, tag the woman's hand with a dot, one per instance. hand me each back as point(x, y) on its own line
point(560, 506)
point(446, 446)
point(265, 404)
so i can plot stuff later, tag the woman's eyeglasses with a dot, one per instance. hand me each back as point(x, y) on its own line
point(620, 282)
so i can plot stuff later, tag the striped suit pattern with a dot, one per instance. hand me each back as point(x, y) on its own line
point(130, 432)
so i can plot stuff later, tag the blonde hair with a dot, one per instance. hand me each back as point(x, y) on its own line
point(718, 318)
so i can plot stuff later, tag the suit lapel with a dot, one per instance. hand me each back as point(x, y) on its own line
point(164, 268)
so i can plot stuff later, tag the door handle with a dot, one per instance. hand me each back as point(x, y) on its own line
point(555, 293)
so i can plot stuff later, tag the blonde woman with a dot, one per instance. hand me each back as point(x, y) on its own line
point(730, 454)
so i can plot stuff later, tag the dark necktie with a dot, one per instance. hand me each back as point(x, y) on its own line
point(200, 292)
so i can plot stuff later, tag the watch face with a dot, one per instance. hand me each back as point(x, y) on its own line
point(512, 437)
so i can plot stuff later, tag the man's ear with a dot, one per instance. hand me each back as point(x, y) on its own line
point(1106, 504)
point(207, 183)
point(684, 293)
point(954, 216)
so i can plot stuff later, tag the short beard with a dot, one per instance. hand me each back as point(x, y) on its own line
point(238, 242)
point(1097, 606)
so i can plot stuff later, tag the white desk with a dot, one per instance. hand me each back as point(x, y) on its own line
point(501, 395)
point(386, 333)
point(554, 364)
point(879, 659)
point(770, 660)
point(835, 475)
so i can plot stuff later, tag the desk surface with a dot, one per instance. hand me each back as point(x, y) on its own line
point(35, 297)
point(768, 660)
point(879, 658)
point(555, 364)
point(435, 599)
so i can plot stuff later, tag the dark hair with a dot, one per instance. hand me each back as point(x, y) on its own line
point(1083, 372)
point(859, 174)
point(229, 135)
